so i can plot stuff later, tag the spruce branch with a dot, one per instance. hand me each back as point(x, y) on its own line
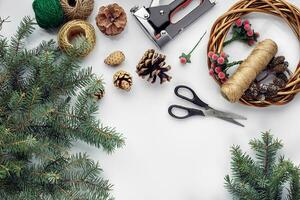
point(47, 104)
point(264, 179)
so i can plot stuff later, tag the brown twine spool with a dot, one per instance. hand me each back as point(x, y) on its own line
point(77, 9)
point(246, 73)
point(288, 12)
point(75, 28)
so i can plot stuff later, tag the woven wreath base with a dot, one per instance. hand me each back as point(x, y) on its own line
point(281, 8)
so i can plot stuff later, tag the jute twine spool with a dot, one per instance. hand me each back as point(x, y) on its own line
point(75, 28)
point(240, 81)
point(77, 9)
point(280, 8)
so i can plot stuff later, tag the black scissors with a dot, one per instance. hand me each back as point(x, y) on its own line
point(207, 110)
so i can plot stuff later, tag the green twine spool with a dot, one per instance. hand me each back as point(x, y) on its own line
point(48, 13)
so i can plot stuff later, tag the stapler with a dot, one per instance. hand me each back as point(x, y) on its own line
point(156, 20)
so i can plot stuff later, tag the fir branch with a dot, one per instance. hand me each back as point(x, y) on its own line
point(266, 151)
point(294, 186)
point(265, 179)
point(240, 190)
point(39, 122)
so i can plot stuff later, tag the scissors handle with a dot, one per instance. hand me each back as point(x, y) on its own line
point(190, 112)
point(195, 99)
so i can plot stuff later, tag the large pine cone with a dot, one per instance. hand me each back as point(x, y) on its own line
point(111, 19)
point(153, 65)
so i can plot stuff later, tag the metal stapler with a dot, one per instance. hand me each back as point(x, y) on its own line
point(156, 20)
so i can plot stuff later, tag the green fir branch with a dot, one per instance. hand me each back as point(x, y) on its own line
point(46, 104)
point(264, 179)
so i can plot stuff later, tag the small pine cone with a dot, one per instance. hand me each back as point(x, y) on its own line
point(263, 88)
point(114, 59)
point(261, 97)
point(154, 66)
point(123, 80)
point(283, 77)
point(279, 82)
point(272, 91)
point(252, 92)
point(281, 68)
point(277, 61)
point(100, 94)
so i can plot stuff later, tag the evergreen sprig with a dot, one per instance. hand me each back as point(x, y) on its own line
point(268, 177)
point(47, 104)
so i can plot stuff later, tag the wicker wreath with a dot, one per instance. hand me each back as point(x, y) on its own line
point(288, 12)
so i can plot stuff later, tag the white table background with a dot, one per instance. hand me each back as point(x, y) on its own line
point(167, 159)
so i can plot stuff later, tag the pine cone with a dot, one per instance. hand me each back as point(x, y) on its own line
point(283, 77)
point(100, 94)
point(281, 68)
point(114, 59)
point(153, 65)
point(111, 19)
point(279, 82)
point(276, 61)
point(252, 92)
point(263, 88)
point(123, 80)
point(272, 91)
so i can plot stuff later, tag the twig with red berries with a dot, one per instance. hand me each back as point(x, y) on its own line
point(242, 31)
point(220, 65)
point(186, 58)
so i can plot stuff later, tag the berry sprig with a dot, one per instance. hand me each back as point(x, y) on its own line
point(219, 65)
point(242, 31)
point(186, 58)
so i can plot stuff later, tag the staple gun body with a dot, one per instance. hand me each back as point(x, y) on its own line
point(156, 20)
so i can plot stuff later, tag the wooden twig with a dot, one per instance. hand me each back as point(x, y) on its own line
point(2, 21)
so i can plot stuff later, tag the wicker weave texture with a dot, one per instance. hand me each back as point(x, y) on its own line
point(280, 8)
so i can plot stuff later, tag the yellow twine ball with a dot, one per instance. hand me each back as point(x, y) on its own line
point(246, 73)
point(77, 9)
point(76, 28)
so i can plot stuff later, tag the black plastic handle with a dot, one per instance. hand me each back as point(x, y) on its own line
point(195, 99)
point(190, 112)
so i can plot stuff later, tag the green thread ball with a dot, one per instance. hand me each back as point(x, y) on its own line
point(48, 13)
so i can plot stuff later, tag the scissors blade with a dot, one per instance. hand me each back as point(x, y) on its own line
point(231, 121)
point(221, 114)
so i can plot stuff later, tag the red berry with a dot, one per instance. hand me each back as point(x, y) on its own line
point(210, 54)
point(239, 23)
point(221, 60)
point(247, 27)
point(224, 80)
point(183, 60)
point(223, 54)
point(218, 70)
point(251, 42)
point(211, 72)
point(250, 33)
point(221, 75)
point(215, 57)
point(246, 21)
